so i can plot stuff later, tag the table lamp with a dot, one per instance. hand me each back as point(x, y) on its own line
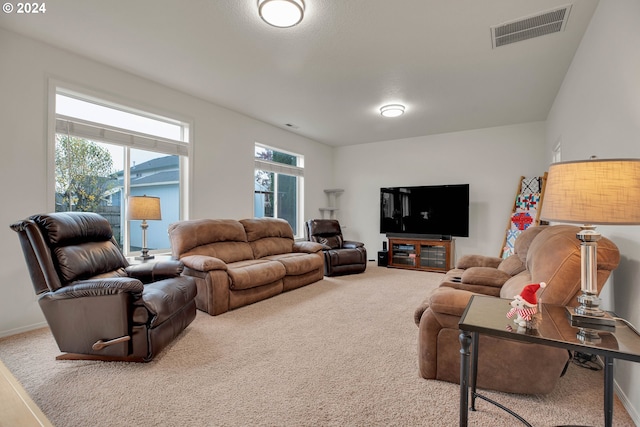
point(144, 208)
point(589, 192)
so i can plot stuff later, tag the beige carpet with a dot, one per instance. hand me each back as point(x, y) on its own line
point(340, 352)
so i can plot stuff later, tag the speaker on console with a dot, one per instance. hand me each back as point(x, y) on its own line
point(383, 258)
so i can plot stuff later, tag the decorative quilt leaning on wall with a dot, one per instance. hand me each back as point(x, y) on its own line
point(526, 210)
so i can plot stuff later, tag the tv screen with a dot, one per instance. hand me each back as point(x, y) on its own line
point(425, 210)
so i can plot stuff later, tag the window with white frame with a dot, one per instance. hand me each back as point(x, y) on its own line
point(278, 187)
point(105, 152)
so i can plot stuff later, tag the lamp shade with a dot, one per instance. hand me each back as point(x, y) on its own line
point(144, 207)
point(598, 191)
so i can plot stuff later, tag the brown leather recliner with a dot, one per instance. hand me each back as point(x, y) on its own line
point(549, 254)
point(96, 304)
point(340, 256)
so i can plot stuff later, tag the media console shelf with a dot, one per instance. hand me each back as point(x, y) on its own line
point(421, 254)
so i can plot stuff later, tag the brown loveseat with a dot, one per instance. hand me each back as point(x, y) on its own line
point(548, 254)
point(236, 263)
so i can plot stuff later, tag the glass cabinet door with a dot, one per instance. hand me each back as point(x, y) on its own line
point(403, 254)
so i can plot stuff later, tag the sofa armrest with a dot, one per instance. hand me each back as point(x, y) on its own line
point(203, 263)
point(308, 247)
point(445, 307)
point(418, 312)
point(446, 301)
point(96, 288)
point(350, 244)
point(468, 261)
point(149, 272)
point(485, 276)
point(449, 301)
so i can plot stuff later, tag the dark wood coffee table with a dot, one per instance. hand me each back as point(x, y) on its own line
point(487, 315)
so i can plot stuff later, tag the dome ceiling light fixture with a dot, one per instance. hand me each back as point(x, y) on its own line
point(392, 110)
point(281, 13)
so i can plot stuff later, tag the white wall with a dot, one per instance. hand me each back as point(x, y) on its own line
point(222, 160)
point(597, 112)
point(490, 160)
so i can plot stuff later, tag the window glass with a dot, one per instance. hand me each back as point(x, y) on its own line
point(86, 179)
point(90, 111)
point(278, 189)
point(158, 175)
point(97, 174)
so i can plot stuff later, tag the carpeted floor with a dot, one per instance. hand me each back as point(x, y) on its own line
point(340, 352)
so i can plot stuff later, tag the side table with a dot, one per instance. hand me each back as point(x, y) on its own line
point(487, 315)
point(16, 407)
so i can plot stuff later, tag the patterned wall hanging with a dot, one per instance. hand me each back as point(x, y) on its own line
point(525, 212)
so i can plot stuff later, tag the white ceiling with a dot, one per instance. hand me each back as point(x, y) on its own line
point(329, 75)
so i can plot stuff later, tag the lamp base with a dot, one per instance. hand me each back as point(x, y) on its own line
point(588, 336)
point(578, 318)
point(144, 257)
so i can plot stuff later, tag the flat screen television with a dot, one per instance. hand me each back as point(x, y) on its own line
point(434, 210)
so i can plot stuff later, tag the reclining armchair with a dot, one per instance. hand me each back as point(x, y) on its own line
point(340, 256)
point(549, 254)
point(97, 306)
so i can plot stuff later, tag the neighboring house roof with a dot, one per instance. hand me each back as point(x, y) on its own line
point(155, 171)
point(160, 177)
point(159, 163)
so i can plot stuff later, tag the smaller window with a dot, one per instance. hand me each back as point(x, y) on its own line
point(278, 186)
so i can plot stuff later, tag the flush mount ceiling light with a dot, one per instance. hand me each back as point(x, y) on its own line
point(281, 13)
point(392, 110)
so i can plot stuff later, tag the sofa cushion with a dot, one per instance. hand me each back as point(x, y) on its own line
point(254, 273)
point(524, 240)
point(514, 286)
point(334, 242)
point(512, 265)
point(268, 236)
point(259, 228)
point(225, 251)
point(271, 246)
point(187, 235)
point(298, 263)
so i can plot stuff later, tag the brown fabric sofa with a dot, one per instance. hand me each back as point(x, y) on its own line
point(236, 263)
point(548, 254)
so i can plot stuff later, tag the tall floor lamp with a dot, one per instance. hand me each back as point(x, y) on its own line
point(589, 192)
point(144, 208)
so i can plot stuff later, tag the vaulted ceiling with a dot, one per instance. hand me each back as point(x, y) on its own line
point(327, 77)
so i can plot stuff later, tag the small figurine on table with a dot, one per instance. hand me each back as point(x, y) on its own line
point(525, 305)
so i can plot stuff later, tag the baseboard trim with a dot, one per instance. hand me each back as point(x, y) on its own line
point(628, 405)
point(27, 328)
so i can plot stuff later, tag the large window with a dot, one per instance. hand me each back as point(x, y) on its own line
point(278, 186)
point(106, 152)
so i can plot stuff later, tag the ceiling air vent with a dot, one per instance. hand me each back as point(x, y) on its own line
point(543, 23)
